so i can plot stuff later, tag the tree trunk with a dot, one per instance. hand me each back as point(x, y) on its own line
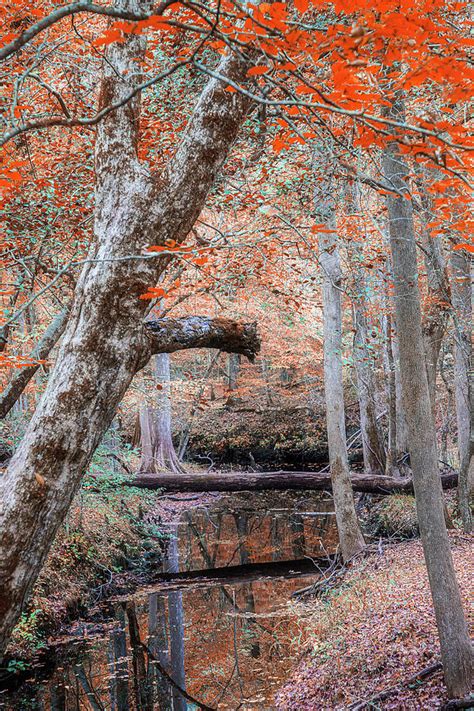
point(233, 366)
point(164, 454)
point(373, 446)
point(105, 342)
point(158, 452)
point(436, 311)
point(350, 536)
point(461, 299)
point(41, 351)
point(453, 633)
point(372, 441)
point(279, 481)
point(391, 464)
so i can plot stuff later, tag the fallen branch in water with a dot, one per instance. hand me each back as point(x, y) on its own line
point(170, 679)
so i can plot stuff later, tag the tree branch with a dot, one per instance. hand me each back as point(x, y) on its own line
point(169, 335)
point(73, 9)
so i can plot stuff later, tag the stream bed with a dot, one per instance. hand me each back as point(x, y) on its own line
point(229, 639)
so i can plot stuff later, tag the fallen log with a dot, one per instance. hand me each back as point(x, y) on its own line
point(236, 574)
point(281, 480)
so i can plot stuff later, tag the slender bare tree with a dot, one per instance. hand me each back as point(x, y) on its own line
point(453, 633)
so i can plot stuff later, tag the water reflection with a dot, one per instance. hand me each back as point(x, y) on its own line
point(225, 646)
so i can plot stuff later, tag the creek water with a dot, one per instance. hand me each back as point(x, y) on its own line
point(229, 643)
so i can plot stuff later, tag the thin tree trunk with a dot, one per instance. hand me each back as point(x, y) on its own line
point(41, 351)
point(436, 312)
point(373, 446)
point(391, 464)
point(455, 644)
point(105, 342)
point(402, 426)
point(350, 536)
point(233, 367)
point(462, 299)
point(372, 441)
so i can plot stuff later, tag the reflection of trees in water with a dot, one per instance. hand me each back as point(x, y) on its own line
point(158, 644)
point(119, 675)
point(176, 627)
point(242, 526)
point(229, 633)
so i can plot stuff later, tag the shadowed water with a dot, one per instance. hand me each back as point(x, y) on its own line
point(215, 644)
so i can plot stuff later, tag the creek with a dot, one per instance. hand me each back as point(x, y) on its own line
point(227, 634)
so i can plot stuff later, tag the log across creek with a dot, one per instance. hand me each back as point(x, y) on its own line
point(279, 480)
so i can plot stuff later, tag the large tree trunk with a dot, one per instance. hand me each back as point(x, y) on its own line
point(453, 633)
point(350, 536)
point(158, 452)
point(461, 300)
point(105, 342)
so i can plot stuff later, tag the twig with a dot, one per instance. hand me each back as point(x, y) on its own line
point(423, 674)
point(169, 678)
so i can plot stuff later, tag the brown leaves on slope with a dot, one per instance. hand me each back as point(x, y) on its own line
point(375, 632)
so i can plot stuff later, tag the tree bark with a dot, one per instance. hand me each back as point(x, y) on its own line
point(436, 312)
point(105, 342)
point(373, 446)
point(461, 301)
point(158, 452)
point(350, 536)
point(20, 380)
point(452, 627)
point(281, 481)
point(171, 335)
point(372, 441)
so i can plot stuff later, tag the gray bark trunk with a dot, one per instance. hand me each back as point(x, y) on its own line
point(350, 536)
point(436, 312)
point(453, 633)
point(105, 342)
point(372, 440)
point(391, 464)
point(20, 380)
point(462, 306)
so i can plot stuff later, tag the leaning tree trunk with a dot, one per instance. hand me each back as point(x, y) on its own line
point(461, 299)
point(453, 633)
point(350, 536)
point(13, 391)
point(105, 342)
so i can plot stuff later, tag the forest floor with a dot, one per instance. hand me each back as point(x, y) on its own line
point(373, 633)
